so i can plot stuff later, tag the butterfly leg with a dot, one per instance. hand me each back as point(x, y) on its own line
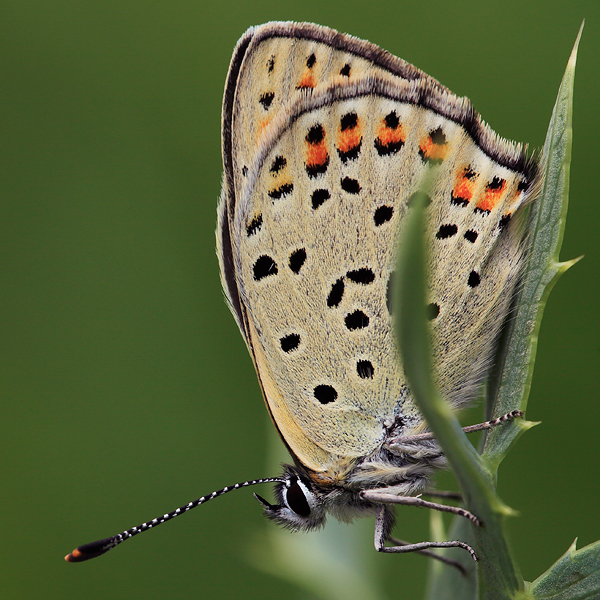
point(430, 554)
point(419, 437)
point(379, 496)
point(382, 535)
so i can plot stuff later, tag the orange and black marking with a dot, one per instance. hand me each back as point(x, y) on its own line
point(349, 138)
point(283, 186)
point(95, 549)
point(513, 202)
point(492, 195)
point(75, 556)
point(504, 221)
point(434, 147)
point(390, 135)
point(279, 163)
point(254, 226)
point(308, 80)
point(317, 156)
point(285, 189)
point(464, 187)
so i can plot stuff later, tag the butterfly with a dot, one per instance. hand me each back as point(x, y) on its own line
point(325, 140)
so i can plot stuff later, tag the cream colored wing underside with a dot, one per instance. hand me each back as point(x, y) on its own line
point(326, 354)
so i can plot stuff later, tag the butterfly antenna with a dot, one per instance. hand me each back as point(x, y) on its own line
point(98, 548)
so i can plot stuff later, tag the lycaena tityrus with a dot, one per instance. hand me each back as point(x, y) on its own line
point(325, 140)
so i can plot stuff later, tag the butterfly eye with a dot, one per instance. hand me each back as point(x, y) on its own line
point(296, 500)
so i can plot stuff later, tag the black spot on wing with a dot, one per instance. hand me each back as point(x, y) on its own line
point(383, 214)
point(265, 266)
point(325, 394)
point(471, 235)
point(336, 293)
point(446, 231)
point(365, 369)
point(290, 342)
point(279, 162)
point(356, 320)
point(318, 197)
point(351, 186)
point(474, 279)
point(363, 276)
point(297, 259)
point(432, 311)
point(266, 99)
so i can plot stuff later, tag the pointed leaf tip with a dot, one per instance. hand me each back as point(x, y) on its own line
point(573, 57)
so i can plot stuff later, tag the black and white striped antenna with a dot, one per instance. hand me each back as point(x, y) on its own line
point(98, 548)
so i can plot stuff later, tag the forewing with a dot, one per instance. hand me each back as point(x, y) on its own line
point(272, 65)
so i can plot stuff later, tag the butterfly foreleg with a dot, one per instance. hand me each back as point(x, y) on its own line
point(380, 496)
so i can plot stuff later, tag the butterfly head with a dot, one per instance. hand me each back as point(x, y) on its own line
point(300, 505)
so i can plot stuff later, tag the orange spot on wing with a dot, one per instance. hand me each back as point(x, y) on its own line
point(433, 151)
point(308, 80)
point(464, 189)
point(317, 157)
point(349, 139)
point(491, 197)
point(465, 185)
point(316, 154)
point(387, 135)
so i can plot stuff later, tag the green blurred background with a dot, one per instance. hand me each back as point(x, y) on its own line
point(126, 387)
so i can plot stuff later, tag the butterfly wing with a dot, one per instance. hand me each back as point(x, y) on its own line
point(315, 189)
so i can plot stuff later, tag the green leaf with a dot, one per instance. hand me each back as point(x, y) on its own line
point(574, 576)
point(546, 222)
